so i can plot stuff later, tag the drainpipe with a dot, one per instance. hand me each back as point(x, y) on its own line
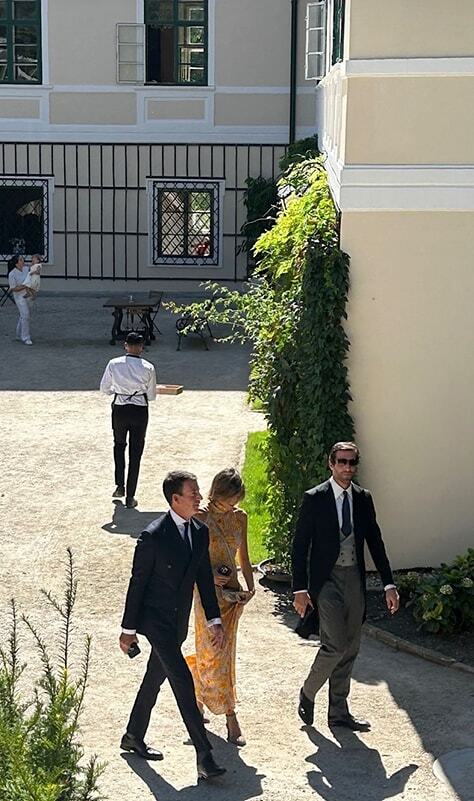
point(293, 54)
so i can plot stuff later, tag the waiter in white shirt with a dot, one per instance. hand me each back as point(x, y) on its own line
point(131, 379)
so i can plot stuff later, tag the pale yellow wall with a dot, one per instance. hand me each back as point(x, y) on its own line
point(412, 375)
point(251, 109)
point(82, 39)
point(27, 108)
point(93, 108)
point(176, 109)
point(413, 120)
point(252, 43)
point(410, 28)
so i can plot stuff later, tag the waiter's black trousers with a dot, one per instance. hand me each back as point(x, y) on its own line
point(132, 420)
point(167, 662)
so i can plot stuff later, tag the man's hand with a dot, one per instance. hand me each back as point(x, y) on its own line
point(301, 602)
point(125, 641)
point(392, 600)
point(217, 636)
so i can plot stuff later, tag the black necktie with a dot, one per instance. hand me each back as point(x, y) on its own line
point(346, 527)
point(186, 539)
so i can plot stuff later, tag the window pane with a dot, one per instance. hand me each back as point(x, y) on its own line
point(25, 9)
point(23, 72)
point(131, 73)
point(3, 54)
point(131, 53)
point(316, 40)
point(25, 35)
point(26, 53)
point(22, 222)
point(200, 201)
point(3, 9)
point(130, 34)
point(159, 11)
point(191, 11)
point(316, 15)
point(3, 72)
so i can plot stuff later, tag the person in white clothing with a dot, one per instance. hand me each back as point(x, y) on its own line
point(33, 279)
point(16, 281)
point(132, 381)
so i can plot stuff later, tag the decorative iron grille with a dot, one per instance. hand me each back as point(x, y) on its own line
point(186, 222)
point(24, 217)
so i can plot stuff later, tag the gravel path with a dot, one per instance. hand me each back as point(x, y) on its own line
point(56, 484)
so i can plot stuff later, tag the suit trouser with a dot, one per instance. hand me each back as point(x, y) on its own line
point(167, 662)
point(341, 604)
point(132, 420)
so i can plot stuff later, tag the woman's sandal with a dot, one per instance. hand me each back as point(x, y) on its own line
point(236, 739)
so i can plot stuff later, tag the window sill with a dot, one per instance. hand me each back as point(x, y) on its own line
point(178, 87)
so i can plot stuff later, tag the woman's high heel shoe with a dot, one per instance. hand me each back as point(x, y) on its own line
point(234, 734)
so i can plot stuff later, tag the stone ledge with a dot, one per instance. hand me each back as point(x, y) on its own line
point(399, 644)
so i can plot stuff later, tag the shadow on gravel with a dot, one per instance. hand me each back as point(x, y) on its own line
point(241, 782)
point(129, 522)
point(363, 769)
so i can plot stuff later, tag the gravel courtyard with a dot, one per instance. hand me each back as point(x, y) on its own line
point(56, 484)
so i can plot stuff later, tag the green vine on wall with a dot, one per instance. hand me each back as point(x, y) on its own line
point(293, 313)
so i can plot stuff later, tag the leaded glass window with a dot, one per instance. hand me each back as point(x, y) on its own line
point(20, 41)
point(24, 217)
point(186, 222)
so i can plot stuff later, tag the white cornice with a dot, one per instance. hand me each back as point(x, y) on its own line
point(404, 187)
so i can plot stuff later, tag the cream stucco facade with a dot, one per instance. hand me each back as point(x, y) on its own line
point(396, 121)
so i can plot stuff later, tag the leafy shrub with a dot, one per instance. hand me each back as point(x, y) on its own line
point(442, 602)
point(40, 756)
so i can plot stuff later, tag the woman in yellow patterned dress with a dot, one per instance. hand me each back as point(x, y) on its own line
point(214, 671)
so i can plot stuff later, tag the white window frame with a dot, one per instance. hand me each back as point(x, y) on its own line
point(140, 29)
point(48, 183)
point(218, 188)
point(312, 31)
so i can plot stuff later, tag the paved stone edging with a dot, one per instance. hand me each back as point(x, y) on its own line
point(399, 644)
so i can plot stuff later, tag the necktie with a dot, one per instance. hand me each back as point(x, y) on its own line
point(186, 539)
point(346, 527)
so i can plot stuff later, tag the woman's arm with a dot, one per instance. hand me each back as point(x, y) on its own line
point(243, 556)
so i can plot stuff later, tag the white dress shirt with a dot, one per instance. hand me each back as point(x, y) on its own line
point(129, 378)
point(180, 523)
point(339, 497)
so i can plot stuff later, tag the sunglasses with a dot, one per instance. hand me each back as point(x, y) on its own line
point(351, 462)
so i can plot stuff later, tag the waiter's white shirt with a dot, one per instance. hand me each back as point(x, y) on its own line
point(130, 378)
point(180, 523)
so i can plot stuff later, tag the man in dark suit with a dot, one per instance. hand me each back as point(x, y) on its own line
point(335, 520)
point(170, 557)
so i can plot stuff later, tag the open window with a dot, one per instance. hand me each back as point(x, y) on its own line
point(316, 16)
point(170, 48)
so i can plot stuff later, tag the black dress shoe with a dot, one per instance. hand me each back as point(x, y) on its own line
point(208, 769)
point(119, 491)
point(306, 709)
point(349, 722)
point(131, 503)
point(131, 743)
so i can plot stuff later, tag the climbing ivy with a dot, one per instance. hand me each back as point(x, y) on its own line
point(293, 312)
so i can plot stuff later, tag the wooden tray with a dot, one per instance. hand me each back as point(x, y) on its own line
point(169, 389)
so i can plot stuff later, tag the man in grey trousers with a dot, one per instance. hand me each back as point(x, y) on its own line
point(336, 519)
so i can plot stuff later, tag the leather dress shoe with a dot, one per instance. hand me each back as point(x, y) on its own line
point(351, 723)
point(208, 769)
point(131, 743)
point(119, 491)
point(131, 503)
point(306, 709)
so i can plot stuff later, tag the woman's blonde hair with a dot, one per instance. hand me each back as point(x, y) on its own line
point(227, 484)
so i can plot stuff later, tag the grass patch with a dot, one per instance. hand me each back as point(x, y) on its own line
point(256, 482)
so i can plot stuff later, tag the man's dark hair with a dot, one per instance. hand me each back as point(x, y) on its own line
point(134, 338)
point(343, 446)
point(173, 483)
